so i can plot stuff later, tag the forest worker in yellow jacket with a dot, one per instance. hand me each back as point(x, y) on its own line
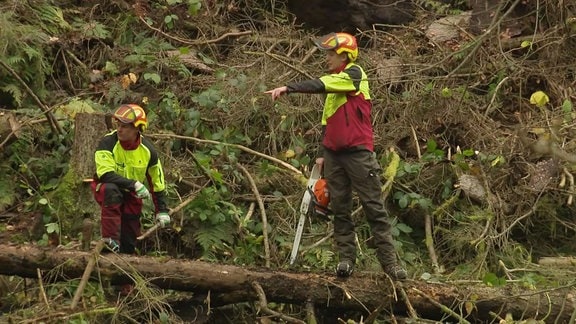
point(124, 160)
point(347, 155)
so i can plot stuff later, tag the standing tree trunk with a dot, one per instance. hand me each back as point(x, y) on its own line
point(88, 129)
point(73, 196)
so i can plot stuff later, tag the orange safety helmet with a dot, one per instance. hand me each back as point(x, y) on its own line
point(339, 42)
point(321, 197)
point(132, 114)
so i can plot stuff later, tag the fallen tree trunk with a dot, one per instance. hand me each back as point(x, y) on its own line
point(363, 291)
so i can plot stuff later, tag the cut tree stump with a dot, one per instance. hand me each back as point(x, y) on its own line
point(227, 284)
point(88, 130)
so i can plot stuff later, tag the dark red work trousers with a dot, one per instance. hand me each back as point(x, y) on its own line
point(120, 217)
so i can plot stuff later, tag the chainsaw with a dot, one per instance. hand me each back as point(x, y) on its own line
point(314, 204)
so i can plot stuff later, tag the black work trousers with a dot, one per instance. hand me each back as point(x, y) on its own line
point(358, 171)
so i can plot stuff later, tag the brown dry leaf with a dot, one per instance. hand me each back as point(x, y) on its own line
point(128, 79)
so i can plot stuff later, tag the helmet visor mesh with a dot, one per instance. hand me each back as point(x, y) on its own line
point(328, 42)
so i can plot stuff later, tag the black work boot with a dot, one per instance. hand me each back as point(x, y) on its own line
point(396, 272)
point(344, 268)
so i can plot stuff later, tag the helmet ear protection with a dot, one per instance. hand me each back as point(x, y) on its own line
point(339, 42)
point(132, 114)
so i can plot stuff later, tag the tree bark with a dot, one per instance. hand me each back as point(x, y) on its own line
point(88, 129)
point(361, 292)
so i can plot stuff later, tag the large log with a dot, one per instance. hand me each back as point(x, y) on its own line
point(363, 291)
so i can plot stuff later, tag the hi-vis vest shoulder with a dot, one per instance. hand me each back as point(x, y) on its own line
point(139, 164)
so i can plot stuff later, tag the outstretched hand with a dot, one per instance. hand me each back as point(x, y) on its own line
point(277, 92)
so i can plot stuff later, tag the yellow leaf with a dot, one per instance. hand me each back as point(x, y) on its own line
point(539, 98)
point(469, 307)
point(133, 77)
point(392, 168)
point(538, 130)
point(302, 179)
point(571, 22)
point(289, 154)
point(497, 161)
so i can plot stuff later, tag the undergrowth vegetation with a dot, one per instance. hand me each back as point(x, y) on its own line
point(470, 106)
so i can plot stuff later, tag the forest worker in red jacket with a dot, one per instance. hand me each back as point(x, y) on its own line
point(124, 160)
point(347, 157)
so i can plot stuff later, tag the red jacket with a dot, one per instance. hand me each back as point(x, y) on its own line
point(347, 108)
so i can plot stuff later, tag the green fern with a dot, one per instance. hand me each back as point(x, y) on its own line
point(31, 53)
point(321, 257)
point(51, 18)
point(14, 60)
point(214, 237)
point(21, 50)
point(95, 30)
point(144, 48)
point(14, 91)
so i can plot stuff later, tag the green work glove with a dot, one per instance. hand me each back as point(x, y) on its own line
point(141, 191)
point(163, 218)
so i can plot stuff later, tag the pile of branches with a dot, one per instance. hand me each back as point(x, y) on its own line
point(454, 111)
point(461, 111)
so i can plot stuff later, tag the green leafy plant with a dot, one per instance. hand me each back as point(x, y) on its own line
point(52, 228)
point(22, 53)
point(460, 159)
point(567, 110)
point(248, 249)
point(433, 153)
point(48, 215)
point(92, 29)
point(492, 280)
point(213, 216)
point(320, 257)
point(193, 5)
point(51, 18)
point(214, 239)
point(411, 200)
point(154, 77)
